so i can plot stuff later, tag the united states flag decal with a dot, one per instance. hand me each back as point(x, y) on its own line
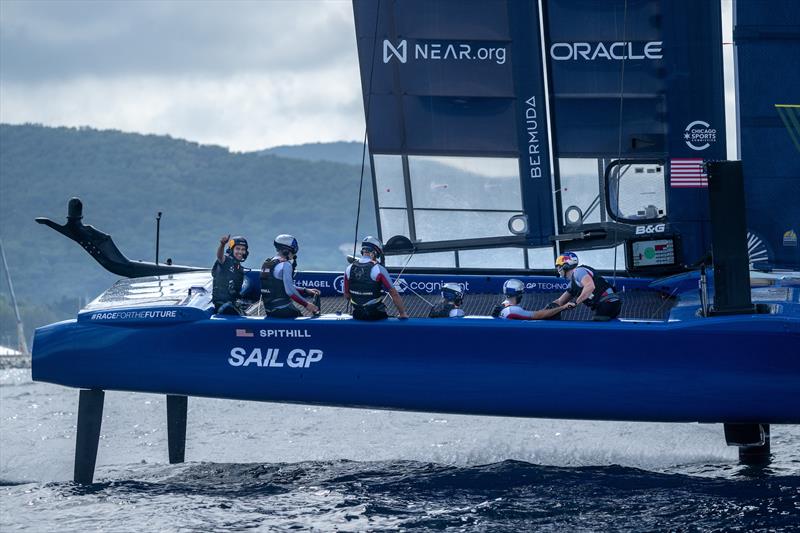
point(687, 173)
point(244, 333)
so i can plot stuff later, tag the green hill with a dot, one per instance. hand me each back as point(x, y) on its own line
point(124, 179)
point(339, 152)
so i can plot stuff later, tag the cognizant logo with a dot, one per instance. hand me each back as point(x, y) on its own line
point(437, 51)
point(428, 287)
point(616, 51)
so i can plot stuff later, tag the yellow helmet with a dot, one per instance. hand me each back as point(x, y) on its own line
point(566, 261)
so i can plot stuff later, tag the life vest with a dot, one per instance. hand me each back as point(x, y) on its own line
point(228, 279)
point(364, 291)
point(601, 286)
point(273, 293)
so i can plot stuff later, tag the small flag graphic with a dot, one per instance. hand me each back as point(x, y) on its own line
point(244, 333)
point(687, 173)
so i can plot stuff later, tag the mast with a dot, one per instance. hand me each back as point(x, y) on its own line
point(22, 344)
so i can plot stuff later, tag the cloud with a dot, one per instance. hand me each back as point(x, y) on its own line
point(244, 112)
point(246, 75)
point(57, 39)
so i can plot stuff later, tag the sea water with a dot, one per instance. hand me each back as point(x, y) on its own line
point(263, 466)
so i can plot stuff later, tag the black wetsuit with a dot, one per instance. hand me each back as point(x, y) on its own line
point(228, 279)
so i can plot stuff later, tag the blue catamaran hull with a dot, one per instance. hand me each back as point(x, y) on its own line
point(732, 369)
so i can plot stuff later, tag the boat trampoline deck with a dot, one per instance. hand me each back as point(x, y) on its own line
point(646, 305)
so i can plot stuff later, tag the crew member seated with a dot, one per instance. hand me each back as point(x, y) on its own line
point(588, 287)
point(513, 290)
point(365, 282)
point(450, 304)
point(228, 275)
point(278, 291)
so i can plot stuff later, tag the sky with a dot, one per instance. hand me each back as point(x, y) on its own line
point(242, 74)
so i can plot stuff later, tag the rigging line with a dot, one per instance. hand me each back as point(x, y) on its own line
point(400, 274)
point(619, 138)
point(421, 297)
point(366, 125)
point(591, 207)
point(658, 309)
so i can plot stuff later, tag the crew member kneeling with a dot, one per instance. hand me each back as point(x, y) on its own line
point(278, 291)
point(450, 304)
point(513, 290)
point(589, 287)
point(366, 280)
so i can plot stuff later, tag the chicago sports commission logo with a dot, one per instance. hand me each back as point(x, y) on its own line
point(699, 135)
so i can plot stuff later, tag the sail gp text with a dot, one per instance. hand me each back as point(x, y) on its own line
point(274, 357)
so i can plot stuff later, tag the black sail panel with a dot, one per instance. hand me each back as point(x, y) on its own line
point(456, 118)
point(639, 81)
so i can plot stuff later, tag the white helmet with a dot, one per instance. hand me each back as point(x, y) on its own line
point(452, 292)
point(372, 244)
point(286, 242)
point(514, 288)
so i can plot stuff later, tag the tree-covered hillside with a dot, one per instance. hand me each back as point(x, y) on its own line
point(125, 179)
point(340, 152)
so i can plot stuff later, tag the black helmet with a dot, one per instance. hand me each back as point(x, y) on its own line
point(372, 244)
point(286, 243)
point(237, 241)
point(452, 292)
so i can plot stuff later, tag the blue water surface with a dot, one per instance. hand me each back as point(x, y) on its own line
point(264, 467)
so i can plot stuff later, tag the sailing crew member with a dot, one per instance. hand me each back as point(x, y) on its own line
point(278, 291)
point(588, 287)
point(450, 304)
point(513, 290)
point(228, 275)
point(365, 282)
